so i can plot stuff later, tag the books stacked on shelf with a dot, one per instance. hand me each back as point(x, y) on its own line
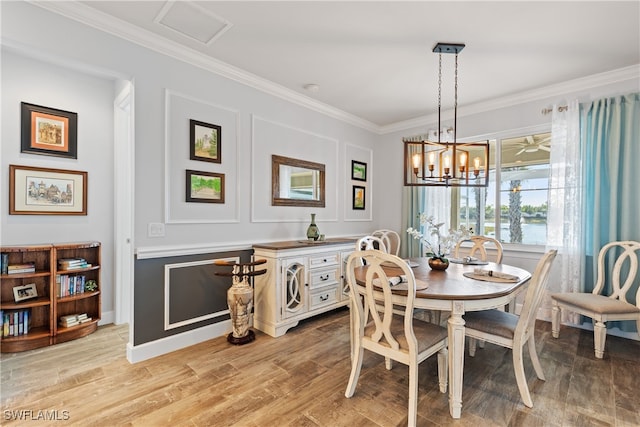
point(14, 322)
point(74, 319)
point(72, 263)
point(67, 285)
point(4, 263)
point(28, 267)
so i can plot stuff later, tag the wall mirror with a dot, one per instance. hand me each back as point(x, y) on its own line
point(296, 182)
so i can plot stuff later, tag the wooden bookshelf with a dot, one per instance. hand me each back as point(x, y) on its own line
point(45, 309)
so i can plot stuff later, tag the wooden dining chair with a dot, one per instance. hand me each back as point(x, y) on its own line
point(381, 330)
point(514, 331)
point(391, 240)
point(371, 242)
point(602, 308)
point(479, 245)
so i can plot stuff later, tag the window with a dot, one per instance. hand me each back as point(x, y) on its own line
point(513, 208)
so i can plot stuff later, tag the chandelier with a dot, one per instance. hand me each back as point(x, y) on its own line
point(449, 162)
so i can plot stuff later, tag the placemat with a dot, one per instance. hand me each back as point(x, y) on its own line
point(391, 264)
point(485, 278)
point(399, 283)
point(464, 261)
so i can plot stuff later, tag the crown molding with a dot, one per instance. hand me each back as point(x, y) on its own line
point(552, 91)
point(107, 23)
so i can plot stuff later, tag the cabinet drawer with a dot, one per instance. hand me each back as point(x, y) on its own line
point(323, 296)
point(323, 278)
point(322, 260)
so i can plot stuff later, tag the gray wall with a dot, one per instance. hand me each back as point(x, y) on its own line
point(196, 294)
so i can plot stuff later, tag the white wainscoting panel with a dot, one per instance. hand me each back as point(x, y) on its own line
point(268, 138)
point(362, 155)
point(179, 109)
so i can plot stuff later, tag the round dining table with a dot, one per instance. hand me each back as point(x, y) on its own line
point(451, 290)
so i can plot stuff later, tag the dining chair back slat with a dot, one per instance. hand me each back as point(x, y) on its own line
point(391, 240)
point(479, 245)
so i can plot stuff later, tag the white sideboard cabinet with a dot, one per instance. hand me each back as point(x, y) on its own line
point(303, 279)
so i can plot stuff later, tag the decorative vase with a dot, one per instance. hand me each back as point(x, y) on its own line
point(438, 264)
point(312, 231)
point(240, 300)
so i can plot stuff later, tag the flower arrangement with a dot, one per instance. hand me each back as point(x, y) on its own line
point(442, 245)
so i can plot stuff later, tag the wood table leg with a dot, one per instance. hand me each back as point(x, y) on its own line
point(455, 326)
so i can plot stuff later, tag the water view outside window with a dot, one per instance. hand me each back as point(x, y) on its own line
point(521, 194)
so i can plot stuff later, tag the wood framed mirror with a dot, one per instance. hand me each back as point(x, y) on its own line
point(296, 182)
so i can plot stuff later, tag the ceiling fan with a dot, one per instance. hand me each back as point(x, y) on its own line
point(531, 144)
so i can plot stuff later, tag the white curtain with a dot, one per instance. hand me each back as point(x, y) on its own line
point(565, 212)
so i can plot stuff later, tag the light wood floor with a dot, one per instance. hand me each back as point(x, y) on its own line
point(300, 379)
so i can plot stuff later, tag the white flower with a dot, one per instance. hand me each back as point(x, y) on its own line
point(442, 245)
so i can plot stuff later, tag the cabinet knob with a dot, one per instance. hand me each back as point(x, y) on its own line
point(323, 278)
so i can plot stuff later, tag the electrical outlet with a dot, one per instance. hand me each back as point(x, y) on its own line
point(156, 229)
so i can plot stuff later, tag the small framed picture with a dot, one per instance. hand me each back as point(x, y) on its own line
point(358, 171)
point(21, 293)
point(46, 191)
point(206, 142)
point(358, 197)
point(49, 131)
point(205, 187)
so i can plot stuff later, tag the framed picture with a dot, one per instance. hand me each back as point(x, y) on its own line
point(21, 293)
point(358, 170)
point(44, 191)
point(205, 187)
point(49, 131)
point(358, 197)
point(206, 142)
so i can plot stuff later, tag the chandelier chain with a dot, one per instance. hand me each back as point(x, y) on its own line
point(455, 102)
point(439, 91)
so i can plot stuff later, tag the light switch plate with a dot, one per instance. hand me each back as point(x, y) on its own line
point(156, 229)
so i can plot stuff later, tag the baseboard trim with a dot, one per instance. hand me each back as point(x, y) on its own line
point(166, 345)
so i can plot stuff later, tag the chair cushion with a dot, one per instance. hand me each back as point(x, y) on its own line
point(595, 303)
point(494, 322)
point(427, 334)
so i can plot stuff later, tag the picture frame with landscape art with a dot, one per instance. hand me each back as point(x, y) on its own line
point(358, 170)
point(358, 197)
point(204, 187)
point(49, 131)
point(46, 191)
point(205, 142)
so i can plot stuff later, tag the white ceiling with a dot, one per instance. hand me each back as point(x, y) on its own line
point(374, 60)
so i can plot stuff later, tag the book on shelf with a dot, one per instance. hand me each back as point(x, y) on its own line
point(74, 319)
point(15, 323)
point(67, 285)
point(21, 268)
point(72, 263)
point(4, 263)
